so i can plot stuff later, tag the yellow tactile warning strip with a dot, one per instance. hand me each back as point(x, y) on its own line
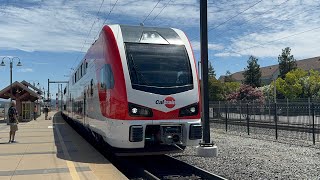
point(51, 149)
point(72, 169)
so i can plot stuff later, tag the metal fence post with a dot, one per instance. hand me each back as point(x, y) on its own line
point(226, 111)
point(288, 110)
point(219, 115)
point(276, 119)
point(240, 110)
point(248, 119)
point(313, 130)
point(309, 106)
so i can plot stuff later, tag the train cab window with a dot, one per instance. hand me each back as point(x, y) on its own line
point(106, 77)
point(158, 68)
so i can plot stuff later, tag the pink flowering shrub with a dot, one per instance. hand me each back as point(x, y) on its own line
point(246, 93)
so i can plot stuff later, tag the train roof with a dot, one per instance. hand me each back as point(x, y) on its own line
point(136, 34)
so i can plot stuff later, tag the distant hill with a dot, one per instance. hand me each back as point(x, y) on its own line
point(3, 102)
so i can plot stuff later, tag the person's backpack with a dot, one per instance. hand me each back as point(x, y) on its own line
point(11, 112)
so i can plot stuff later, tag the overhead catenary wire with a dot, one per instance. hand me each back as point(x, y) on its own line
point(151, 11)
point(254, 17)
point(224, 22)
point(162, 9)
point(107, 17)
point(289, 15)
point(292, 15)
point(88, 33)
point(295, 34)
point(285, 37)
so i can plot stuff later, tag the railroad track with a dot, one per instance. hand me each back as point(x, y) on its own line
point(165, 167)
point(151, 167)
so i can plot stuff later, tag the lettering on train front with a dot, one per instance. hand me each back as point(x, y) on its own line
point(169, 102)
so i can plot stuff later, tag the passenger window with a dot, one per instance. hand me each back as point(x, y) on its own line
point(91, 87)
point(106, 77)
point(81, 74)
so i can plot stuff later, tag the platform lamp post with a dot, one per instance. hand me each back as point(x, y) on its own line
point(11, 62)
point(44, 93)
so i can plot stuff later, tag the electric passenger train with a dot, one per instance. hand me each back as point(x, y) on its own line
point(137, 89)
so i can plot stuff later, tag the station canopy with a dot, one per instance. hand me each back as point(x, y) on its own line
point(21, 92)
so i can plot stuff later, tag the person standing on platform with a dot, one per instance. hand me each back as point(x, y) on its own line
point(35, 112)
point(13, 121)
point(46, 111)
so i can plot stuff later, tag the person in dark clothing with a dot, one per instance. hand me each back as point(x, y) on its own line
point(46, 111)
point(13, 121)
point(35, 112)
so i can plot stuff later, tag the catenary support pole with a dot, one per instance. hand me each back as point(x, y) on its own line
point(206, 148)
point(204, 70)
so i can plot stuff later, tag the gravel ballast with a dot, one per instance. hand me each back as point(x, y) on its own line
point(257, 156)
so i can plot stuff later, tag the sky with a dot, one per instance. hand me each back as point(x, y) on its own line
point(50, 37)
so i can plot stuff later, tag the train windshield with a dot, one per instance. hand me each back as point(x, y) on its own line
point(157, 68)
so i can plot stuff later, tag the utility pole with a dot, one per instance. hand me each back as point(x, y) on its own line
point(61, 98)
point(58, 82)
point(206, 148)
point(48, 90)
point(204, 70)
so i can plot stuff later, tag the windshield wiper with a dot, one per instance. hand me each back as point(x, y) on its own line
point(137, 72)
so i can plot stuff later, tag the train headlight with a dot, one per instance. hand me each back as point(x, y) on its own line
point(152, 37)
point(139, 111)
point(190, 110)
point(134, 110)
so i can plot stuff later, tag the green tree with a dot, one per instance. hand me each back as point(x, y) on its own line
point(215, 90)
point(230, 87)
point(299, 83)
point(311, 84)
point(228, 77)
point(252, 74)
point(211, 71)
point(286, 62)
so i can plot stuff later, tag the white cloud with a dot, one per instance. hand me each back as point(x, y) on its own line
point(268, 28)
point(263, 45)
point(25, 70)
point(226, 54)
point(211, 46)
point(61, 26)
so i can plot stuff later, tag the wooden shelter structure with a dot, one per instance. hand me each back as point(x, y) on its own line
point(26, 98)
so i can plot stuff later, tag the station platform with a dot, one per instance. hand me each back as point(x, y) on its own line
point(51, 149)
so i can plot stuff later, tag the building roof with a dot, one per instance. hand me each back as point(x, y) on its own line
point(269, 71)
point(19, 91)
point(32, 86)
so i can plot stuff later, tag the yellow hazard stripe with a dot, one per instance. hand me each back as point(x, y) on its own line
point(72, 169)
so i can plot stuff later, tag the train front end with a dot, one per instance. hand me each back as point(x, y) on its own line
point(162, 89)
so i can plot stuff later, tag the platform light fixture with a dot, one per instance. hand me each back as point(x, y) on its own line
point(11, 62)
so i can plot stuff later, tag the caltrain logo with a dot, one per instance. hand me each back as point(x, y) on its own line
point(169, 102)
